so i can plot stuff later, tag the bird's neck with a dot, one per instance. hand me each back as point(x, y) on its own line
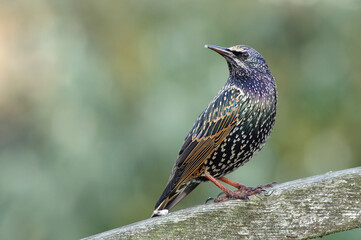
point(256, 85)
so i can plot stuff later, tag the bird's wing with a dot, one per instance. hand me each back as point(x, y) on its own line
point(211, 128)
point(207, 133)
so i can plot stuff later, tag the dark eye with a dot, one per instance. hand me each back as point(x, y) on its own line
point(243, 55)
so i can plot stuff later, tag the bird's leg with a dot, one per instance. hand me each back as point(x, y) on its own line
point(243, 188)
point(243, 192)
point(229, 193)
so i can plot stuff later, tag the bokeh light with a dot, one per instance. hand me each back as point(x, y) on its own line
point(96, 98)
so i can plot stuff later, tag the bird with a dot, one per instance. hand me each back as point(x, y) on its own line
point(229, 132)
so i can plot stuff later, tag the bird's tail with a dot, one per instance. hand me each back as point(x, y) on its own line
point(170, 196)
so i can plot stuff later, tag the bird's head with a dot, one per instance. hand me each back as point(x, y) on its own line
point(242, 59)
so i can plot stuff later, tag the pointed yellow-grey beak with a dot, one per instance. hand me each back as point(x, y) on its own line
point(221, 50)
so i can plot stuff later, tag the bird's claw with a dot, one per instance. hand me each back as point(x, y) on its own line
point(260, 188)
point(270, 184)
point(268, 193)
point(220, 194)
point(209, 199)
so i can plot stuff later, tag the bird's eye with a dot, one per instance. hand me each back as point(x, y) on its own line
point(243, 55)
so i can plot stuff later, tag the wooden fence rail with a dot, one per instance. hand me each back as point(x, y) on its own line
point(301, 209)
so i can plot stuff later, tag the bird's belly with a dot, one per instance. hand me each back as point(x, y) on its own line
point(236, 149)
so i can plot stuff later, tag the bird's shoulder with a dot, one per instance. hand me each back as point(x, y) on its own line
point(223, 106)
point(215, 122)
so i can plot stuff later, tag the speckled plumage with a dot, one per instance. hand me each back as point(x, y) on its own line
point(232, 128)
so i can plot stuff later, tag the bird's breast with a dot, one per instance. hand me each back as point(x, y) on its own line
point(254, 124)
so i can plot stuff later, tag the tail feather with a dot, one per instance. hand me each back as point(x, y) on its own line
point(170, 196)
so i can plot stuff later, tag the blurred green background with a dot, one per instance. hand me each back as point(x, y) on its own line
point(96, 98)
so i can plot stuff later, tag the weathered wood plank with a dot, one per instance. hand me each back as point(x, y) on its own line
point(301, 209)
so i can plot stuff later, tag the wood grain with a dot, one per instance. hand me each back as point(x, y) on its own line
point(301, 209)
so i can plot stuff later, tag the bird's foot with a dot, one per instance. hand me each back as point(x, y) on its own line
point(243, 193)
point(232, 195)
point(243, 188)
point(259, 187)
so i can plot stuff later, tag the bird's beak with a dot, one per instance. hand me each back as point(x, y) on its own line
point(221, 50)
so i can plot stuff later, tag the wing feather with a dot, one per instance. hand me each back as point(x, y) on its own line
point(207, 133)
point(211, 128)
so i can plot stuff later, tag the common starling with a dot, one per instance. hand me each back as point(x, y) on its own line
point(229, 132)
